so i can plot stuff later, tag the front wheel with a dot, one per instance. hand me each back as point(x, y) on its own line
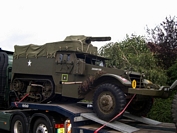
point(18, 124)
point(108, 101)
point(42, 126)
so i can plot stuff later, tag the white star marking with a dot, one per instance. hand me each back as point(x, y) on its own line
point(29, 63)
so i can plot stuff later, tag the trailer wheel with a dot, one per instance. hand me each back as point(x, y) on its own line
point(42, 126)
point(174, 109)
point(140, 108)
point(18, 124)
point(108, 101)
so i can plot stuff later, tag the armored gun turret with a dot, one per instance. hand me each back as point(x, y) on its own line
point(72, 69)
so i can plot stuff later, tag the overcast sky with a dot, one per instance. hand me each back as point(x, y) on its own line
point(24, 22)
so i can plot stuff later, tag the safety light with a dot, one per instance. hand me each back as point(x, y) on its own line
point(59, 125)
point(60, 128)
point(68, 126)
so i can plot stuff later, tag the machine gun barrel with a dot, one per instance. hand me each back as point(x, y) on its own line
point(90, 39)
point(99, 38)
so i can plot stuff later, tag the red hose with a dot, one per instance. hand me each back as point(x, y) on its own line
point(21, 99)
point(96, 131)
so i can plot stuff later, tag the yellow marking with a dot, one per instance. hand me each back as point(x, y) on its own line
point(134, 84)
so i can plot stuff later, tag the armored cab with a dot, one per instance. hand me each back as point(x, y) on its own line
point(73, 69)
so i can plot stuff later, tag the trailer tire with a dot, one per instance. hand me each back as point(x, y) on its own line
point(174, 109)
point(42, 126)
point(18, 124)
point(108, 101)
point(140, 108)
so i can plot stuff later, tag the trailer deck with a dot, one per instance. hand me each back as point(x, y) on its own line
point(84, 120)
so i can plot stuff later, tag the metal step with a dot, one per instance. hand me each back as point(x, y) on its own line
point(141, 119)
point(114, 125)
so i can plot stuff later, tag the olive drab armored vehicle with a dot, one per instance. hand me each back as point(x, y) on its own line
point(72, 69)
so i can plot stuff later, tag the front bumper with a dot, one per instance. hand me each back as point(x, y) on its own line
point(162, 92)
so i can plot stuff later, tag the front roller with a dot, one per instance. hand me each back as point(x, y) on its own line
point(108, 101)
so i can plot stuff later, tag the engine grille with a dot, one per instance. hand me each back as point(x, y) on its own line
point(138, 78)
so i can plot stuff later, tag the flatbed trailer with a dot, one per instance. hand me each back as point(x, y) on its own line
point(75, 118)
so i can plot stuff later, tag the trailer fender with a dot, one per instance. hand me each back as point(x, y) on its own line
point(47, 117)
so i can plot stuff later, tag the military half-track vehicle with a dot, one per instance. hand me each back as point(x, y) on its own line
point(72, 69)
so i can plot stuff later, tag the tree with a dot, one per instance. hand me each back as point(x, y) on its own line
point(172, 73)
point(133, 54)
point(163, 42)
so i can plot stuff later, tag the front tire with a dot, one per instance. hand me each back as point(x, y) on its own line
point(108, 101)
point(18, 124)
point(42, 126)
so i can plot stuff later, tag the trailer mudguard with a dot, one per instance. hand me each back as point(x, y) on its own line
point(5, 119)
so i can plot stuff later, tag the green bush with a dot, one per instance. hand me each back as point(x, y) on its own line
point(161, 110)
point(133, 54)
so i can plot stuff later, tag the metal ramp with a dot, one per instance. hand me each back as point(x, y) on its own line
point(119, 125)
point(141, 119)
point(114, 125)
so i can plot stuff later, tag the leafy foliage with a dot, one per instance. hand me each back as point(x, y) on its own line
point(163, 42)
point(161, 109)
point(172, 73)
point(156, 59)
point(133, 54)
